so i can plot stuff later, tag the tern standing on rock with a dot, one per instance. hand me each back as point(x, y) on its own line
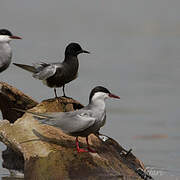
point(81, 122)
point(5, 48)
point(56, 75)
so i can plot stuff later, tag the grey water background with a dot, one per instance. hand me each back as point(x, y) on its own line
point(135, 52)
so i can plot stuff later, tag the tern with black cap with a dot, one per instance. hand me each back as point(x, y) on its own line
point(56, 75)
point(5, 48)
point(81, 122)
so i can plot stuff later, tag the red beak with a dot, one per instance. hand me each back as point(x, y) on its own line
point(15, 37)
point(114, 96)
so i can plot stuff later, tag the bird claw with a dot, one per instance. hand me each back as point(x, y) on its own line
point(64, 96)
point(82, 150)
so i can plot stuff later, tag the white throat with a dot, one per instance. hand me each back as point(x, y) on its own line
point(98, 100)
point(4, 39)
point(100, 104)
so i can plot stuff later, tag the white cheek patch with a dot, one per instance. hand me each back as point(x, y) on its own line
point(99, 95)
point(4, 38)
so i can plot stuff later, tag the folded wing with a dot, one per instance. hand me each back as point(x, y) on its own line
point(41, 71)
point(69, 122)
point(44, 72)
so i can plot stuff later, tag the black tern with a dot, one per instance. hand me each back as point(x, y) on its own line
point(56, 75)
point(5, 48)
point(81, 122)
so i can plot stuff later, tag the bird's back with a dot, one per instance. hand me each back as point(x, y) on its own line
point(96, 117)
point(99, 121)
point(76, 123)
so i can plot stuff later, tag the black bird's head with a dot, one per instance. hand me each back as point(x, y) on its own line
point(6, 35)
point(5, 32)
point(101, 93)
point(73, 49)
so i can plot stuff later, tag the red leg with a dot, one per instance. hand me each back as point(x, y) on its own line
point(89, 149)
point(77, 147)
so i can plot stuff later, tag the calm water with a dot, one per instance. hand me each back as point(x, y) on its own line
point(135, 52)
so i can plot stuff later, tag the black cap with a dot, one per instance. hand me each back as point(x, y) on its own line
point(74, 49)
point(98, 89)
point(5, 32)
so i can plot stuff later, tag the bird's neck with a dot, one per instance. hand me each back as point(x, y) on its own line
point(5, 46)
point(4, 43)
point(72, 63)
point(99, 104)
point(70, 58)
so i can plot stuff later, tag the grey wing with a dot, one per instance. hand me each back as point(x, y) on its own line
point(78, 122)
point(69, 122)
point(44, 71)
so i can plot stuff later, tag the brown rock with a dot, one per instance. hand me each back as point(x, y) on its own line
point(48, 153)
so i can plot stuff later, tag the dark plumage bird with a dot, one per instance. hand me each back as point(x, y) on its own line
point(81, 122)
point(5, 48)
point(56, 75)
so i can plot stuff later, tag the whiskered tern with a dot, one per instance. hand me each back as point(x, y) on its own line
point(81, 122)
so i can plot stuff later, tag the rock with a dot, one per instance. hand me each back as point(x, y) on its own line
point(10, 97)
point(47, 153)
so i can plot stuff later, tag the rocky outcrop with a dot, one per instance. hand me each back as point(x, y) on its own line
point(45, 152)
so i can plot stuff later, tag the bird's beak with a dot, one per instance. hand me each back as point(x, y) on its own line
point(114, 96)
point(84, 51)
point(15, 37)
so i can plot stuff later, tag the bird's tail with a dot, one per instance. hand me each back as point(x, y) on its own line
point(26, 67)
point(43, 118)
point(50, 118)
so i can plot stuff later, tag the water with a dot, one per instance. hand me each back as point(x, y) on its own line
point(135, 52)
